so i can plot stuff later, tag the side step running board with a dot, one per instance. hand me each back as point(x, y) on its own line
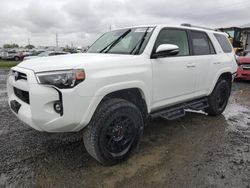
point(177, 111)
point(200, 104)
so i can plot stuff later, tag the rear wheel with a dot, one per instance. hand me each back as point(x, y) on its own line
point(16, 58)
point(114, 131)
point(219, 97)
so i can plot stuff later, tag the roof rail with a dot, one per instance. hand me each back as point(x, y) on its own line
point(189, 25)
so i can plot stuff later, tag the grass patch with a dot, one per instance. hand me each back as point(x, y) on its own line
point(8, 64)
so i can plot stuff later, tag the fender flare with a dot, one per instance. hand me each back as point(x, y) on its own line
point(102, 92)
point(219, 73)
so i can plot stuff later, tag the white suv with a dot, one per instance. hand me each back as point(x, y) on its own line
point(126, 77)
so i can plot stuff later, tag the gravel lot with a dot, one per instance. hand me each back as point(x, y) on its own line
point(194, 151)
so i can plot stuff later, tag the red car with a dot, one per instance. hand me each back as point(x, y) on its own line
point(243, 72)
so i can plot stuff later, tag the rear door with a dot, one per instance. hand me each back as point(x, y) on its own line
point(204, 56)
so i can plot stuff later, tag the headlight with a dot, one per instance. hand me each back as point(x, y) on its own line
point(61, 79)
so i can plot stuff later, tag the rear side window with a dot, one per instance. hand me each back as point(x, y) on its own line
point(224, 43)
point(201, 44)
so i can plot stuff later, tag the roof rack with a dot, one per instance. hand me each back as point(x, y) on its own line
point(189, 25)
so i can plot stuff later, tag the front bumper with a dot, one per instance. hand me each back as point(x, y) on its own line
point(38, 112)
point(243, 74)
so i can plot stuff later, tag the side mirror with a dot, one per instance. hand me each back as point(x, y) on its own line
point(166, 50)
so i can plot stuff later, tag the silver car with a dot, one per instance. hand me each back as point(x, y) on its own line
point(45, 54)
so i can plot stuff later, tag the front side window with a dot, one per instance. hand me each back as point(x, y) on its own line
point(123, 41)
point(201, 44)
point(176, 37)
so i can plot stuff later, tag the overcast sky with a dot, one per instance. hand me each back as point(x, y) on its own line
point(81, 21)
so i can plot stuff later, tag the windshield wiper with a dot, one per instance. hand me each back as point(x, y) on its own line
point(140, 42)
point(113, 43)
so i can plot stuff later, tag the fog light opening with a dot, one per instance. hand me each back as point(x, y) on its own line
point(58, 107)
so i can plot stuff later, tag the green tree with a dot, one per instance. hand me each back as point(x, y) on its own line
point(30, 46)
point(10, 45)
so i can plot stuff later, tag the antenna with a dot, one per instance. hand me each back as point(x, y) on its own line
point(56, 40)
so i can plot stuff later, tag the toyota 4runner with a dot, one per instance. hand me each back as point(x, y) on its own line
point(127, 77)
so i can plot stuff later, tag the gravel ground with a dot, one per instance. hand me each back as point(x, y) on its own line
point(194, 151)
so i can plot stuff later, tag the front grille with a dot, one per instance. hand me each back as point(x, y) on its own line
point(246, 66)
point(19, 75)
point(22, 95)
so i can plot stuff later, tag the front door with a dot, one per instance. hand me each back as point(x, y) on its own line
point(173, 76)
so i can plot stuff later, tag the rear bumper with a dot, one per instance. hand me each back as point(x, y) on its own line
point(39, 112)
point(243, 74)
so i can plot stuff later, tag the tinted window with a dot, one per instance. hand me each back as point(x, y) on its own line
point(212, 50)
point(176, 37)
point(224, 43)
point(201, 44)
point(59, 53)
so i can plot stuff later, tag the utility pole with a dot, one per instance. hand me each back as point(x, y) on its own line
point(56, 40)
point(28, 41)
point(110, 27)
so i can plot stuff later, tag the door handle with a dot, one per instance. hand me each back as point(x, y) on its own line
point(216, 63)
point(191, 65)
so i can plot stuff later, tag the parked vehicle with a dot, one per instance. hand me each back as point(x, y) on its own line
point(12, 55)
point(243, 72)
point(234, 35)
point(239, 37)
point(127, 77)
point(46, 54)
point(33, 53)
point(1, 54)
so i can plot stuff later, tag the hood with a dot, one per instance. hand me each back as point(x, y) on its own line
point(245, 60)
point(71, 61)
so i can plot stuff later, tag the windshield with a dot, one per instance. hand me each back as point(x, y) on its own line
point(124, 41)
point(234, 33)
point(230, 33)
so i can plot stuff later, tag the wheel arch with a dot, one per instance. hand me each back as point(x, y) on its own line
point(137, 93)
point(17, 57)
point(227, 75)
point(133, 95)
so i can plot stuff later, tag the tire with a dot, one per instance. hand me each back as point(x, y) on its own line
point(114, 131)
point(16, 58)
point(218, 99)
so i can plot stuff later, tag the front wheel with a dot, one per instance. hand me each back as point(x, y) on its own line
point(219, 98)
point(114, 131)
